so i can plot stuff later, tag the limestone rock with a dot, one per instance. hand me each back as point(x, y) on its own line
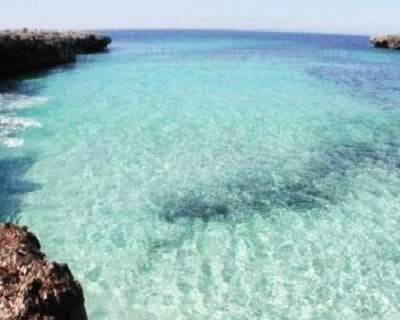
point(30, 286)
point(22, 51)
point(386, 41)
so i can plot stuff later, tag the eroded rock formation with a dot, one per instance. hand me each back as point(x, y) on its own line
point(30, 286)
point(22, 51)
point(386, 41)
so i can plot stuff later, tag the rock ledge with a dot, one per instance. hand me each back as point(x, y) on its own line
point(386, 41)
point(31, 287)
point(22, 51)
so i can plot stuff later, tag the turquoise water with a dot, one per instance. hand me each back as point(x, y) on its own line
point(214, 175)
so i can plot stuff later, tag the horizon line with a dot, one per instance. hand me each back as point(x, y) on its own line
point(236, 30)
point(102, 29)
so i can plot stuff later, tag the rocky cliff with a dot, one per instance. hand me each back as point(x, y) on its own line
point(386, 41)
point(30, 286)
point(22, 51)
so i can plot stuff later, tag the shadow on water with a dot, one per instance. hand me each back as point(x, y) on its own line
point(13, 185)
point(27, 88)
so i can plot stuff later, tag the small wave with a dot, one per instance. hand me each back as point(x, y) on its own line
point(10, 126)
point(12, 101)
point(11, 142)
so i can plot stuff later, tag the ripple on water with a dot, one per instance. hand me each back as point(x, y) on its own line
point(196, 185)
point(11, 124)
point(320, 183)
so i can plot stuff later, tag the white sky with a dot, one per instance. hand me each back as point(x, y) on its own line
point(332, 16)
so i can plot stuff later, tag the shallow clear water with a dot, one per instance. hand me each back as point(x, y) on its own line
point(214, 175)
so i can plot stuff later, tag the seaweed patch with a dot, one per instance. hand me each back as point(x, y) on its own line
point(194, 207)
point(319, 183)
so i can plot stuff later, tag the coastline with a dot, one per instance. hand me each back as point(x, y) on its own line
point(30, 286)
point(25, 50)
point(386, 41)
point(87, 186)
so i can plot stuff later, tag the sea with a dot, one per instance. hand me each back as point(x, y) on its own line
point(214, 174)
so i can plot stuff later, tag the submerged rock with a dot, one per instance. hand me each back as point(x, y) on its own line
point(193, 206)
point(22, 51)
point(386, 41)
point(30, 286)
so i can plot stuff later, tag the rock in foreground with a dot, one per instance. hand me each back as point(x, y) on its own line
point(22, 51)
point(386, 41)
point(31, 287)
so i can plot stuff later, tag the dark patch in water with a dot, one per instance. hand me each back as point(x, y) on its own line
point(305, 192)
point(379, 82)
point(320, 183)
point(13, 185)
point(351, 156)
point(256, 192)
point(28, 88)
point(193, 206)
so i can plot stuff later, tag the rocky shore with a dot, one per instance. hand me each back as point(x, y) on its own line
point(22, 51)
point(386, 41)
point(30, 286)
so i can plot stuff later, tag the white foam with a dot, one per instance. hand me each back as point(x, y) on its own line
point(18, 123)
point(10, 126)
point(11, 142)
point(12, 101)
